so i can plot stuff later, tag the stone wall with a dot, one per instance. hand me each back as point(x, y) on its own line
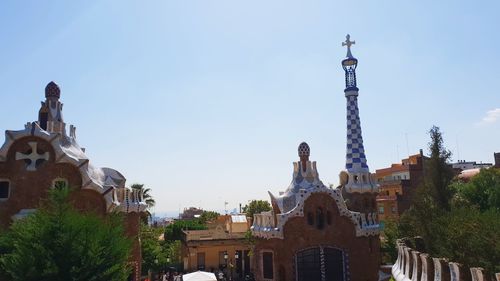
point(418, 266)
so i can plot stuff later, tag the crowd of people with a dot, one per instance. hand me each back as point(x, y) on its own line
point(177, 276)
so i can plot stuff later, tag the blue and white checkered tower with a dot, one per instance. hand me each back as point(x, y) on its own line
point(359, 179)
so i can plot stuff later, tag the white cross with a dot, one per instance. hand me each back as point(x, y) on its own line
point(348, 43)
point(33, 156)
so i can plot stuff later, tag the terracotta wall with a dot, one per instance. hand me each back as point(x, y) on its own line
point(362, 256)
point(27, 188)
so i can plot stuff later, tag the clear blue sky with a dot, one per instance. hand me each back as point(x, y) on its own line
point(207, 101)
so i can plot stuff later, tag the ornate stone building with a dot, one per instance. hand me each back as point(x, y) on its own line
point(43, 156)
point(318, 233)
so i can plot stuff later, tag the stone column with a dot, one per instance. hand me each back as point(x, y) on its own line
point(396, 266)
point(427, 268)
point(457, 272)
point(441, 269)
point(397, 269)
point(477, 274)
point(417, 270)
point(408, 261)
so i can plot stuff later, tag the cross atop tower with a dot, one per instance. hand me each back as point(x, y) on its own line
point(348, 43)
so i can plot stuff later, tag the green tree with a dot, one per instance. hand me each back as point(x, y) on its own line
point(173, 252)
point(208, 216)
point(482, 191)
point(470, 237)
point(59, 243)
point(459, 221)
point(147, 198)
point(389, 237)
point(255, 207)
point(153, 254)
point(432, 198)
point(438, 173)
point(173, 231)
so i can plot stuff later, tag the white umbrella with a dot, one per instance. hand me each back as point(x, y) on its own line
point(199, 276)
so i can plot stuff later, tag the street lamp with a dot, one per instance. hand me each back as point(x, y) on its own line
point(225, 261)
point(156, 266)
point(236, 256)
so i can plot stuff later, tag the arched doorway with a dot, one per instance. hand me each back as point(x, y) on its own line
point(319, 264)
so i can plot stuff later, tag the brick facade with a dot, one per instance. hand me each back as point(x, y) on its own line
point(33, 160)
point(361, 256)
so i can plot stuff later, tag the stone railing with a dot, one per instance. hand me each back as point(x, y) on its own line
point(264, 221)
point(412, 265)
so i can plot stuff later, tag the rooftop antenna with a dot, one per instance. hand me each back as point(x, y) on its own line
point(458, 149)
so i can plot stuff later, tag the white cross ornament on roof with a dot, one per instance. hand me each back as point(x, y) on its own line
point(32, 157)
point(348, 43)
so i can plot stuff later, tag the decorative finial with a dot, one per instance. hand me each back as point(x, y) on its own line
point(348, 43)
point(52, 90)
point(304, 150)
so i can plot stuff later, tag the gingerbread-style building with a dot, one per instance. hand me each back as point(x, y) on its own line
point(45, 155)
point(318, 233)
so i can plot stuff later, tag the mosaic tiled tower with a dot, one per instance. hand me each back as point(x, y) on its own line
point(357, 169)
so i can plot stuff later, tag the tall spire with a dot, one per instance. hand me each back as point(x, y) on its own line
point(50, 116)
point(356, 165)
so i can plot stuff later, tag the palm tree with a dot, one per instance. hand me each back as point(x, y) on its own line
point(146, 196)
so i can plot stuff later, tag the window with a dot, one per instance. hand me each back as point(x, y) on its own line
point(267, 265)
point(320, 219)
point(4, 190)
point(381, 209)
point(393, 209)
point(310, 218)
point(222, 260)
point(59, 183)
point(201, 261)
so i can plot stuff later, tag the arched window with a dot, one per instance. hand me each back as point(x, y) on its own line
point(267, 265)
point(320, 219)
point(59, 183)
point(308, 264)
point(4, 189)
point(310, 218)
